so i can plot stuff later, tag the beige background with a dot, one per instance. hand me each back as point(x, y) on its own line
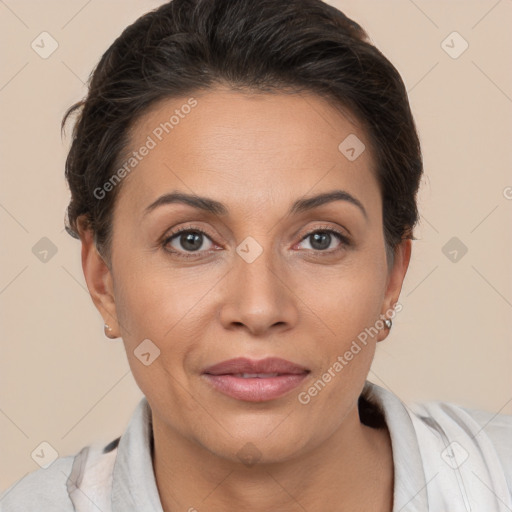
point(63, 382)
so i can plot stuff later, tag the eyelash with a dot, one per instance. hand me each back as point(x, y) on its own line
point(345, 241)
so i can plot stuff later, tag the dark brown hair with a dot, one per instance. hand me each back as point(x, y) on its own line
point(273, 46)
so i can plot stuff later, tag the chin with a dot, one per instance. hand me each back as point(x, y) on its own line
point(259, 444)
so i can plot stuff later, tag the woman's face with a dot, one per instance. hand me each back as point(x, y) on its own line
point(264, 280)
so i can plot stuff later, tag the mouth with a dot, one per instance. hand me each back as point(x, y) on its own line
point(255, 380)
point(256, 375)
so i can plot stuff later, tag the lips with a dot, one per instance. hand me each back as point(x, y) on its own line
point(255, 381)
point(269, 365)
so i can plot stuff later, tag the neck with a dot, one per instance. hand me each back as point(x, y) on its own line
point(351, 470)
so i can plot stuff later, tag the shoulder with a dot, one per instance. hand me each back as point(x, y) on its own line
point(59, 487)
point(487, 430)
point(498, 429)
point(42, 490)
point(476, 423)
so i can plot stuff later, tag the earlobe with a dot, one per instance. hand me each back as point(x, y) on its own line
point(402, 257)
point(99, 281)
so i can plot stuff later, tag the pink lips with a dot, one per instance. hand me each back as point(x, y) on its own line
point(265, 379)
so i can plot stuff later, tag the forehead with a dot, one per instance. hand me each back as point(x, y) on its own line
point(245, 149)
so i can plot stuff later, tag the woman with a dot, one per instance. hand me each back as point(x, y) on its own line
point(243, 181)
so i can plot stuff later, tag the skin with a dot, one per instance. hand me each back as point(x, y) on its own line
point(257, 154)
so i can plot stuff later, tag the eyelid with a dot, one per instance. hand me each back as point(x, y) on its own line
point(346, 237)
point(173, 233)
point(189, 227)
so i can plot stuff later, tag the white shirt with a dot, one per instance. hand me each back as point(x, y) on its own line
point(447, 458)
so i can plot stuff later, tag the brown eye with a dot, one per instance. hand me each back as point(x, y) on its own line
point(186, 240)
point(322, 239)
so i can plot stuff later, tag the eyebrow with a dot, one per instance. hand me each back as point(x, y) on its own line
point(217, 208)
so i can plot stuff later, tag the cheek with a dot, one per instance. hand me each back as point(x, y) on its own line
point(357, 306)
point(346, 299)
point(152, 296)
point(160, 317)
point(170, 307)
point(349, 308)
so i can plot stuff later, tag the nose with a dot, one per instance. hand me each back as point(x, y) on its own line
point(258, 293)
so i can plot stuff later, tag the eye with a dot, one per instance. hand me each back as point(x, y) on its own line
point(184, 240)
point(322, 238)
point(188, 241)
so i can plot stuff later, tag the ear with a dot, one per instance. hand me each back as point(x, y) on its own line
point(99, 279)
point(396, 275)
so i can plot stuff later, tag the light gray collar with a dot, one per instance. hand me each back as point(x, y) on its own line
point(133, 484)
